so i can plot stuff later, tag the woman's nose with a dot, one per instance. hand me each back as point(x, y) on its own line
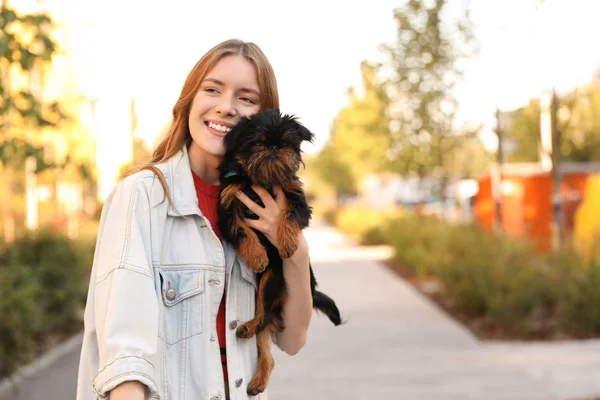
point(226, 106)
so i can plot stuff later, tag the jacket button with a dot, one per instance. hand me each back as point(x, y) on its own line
point(171, 294)
point(238, 382)
point(214, 282)
point(233, 324)
point(217, 397)
point(213, 339)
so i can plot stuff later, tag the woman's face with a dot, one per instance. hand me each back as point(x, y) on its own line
point(228, 92)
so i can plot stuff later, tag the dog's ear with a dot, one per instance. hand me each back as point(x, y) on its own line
point(232, 139)
point(305, 134)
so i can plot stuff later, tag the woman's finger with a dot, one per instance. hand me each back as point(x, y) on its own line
point(248, 202)
point(253, 223)
point(264, 195)
point(262, 227)
point(280, 197)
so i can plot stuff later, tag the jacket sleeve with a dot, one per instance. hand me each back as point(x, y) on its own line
point(125, 308)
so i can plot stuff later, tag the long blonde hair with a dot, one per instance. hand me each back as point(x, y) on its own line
point(178, 134)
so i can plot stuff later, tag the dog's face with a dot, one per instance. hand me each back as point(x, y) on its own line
point(267, 146)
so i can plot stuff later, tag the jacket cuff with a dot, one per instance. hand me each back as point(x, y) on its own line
point(122, 370)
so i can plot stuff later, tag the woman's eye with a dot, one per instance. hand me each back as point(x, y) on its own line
point(211, 90)
point(248, 100)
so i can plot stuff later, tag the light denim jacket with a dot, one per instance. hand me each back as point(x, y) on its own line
point(156, 284)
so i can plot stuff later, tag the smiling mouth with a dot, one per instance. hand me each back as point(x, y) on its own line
point(217, 129)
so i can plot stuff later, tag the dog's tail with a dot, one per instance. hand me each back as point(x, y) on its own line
point(326, 305)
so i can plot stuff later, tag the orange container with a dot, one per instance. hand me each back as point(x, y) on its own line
point(526, 199)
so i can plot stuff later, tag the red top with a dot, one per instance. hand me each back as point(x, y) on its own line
point(208, 201)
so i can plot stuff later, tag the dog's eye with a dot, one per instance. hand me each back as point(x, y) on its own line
point(284, 144)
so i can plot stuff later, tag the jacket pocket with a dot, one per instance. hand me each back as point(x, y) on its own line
point(183, 299)
point(248, 275)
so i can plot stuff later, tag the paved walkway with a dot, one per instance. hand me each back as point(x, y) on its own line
point(395, 345)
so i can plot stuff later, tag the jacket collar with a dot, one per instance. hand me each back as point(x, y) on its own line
point(181, 185)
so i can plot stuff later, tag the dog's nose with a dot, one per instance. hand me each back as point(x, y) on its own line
point(274, 149)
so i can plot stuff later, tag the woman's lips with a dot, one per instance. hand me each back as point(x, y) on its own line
point(214, 131)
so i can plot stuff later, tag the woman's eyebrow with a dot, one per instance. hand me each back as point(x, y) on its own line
point(253, 91)
point(218, 82)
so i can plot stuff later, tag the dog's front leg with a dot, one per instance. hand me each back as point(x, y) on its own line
point(251, 250)
point(289, 227)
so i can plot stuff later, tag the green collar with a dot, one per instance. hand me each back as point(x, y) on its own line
point(229, 174)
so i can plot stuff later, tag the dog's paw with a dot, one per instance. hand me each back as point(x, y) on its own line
point(286, 250)
point(244, 332)
point(255, 387)
point(259, 262)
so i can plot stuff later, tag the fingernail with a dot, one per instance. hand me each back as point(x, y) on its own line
point(238, 193)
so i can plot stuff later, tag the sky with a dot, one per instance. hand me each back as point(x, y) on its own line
point(316, 48)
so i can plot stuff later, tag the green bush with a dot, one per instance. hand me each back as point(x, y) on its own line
point(46, 281)
point(417, 243)
point(500, 279)
point(504, 281)
point(374, 236)
point(329, 216)
point(365, 225)
point(19, 316)
point(580, 312)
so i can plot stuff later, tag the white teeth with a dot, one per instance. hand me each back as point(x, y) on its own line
point(218, 127)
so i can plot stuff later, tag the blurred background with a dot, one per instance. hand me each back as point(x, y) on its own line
point(464, 135)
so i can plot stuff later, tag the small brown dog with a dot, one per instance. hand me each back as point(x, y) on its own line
point(264, 150)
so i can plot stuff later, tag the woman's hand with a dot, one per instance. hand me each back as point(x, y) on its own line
point(270, 216)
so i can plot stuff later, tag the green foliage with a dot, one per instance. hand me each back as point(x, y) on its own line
point(333, 171)
point(25, 50)
point(15, 151)
point(497, 278)
point(19, 312)
point(425, 60)
point(329, 216)
point(580, 295)
point(403, 121)
point(417, 243)
point(26, 47)
point(523, 127)
point(359, 138)
point(578, 123)
point(365, 225)
point(45, 281)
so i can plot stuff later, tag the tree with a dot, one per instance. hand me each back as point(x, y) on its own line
point(522, 127)
point(334, 172)
point(26, 49)
point(359, 138)
point(424, 64)
point(578, 124)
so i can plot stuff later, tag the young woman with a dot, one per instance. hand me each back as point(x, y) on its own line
point(166, 294)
